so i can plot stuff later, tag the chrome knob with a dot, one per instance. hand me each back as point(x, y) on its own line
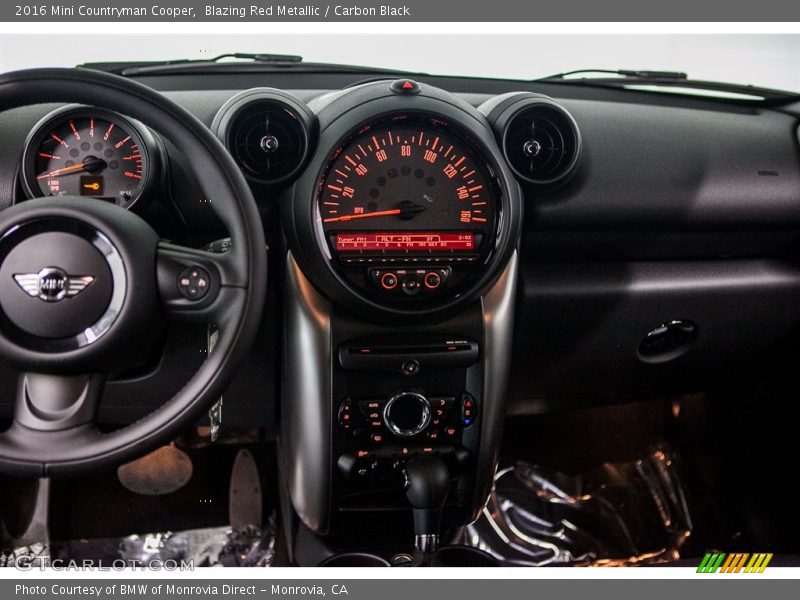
point(407, 414)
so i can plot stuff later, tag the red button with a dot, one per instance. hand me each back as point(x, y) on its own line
point(405, 86)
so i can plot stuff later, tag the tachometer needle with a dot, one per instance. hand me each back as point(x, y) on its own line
point(58, 172)
point(380, 213)
point(91, 164)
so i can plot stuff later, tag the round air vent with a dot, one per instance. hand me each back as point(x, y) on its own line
point(267, 132)
point(541, 142)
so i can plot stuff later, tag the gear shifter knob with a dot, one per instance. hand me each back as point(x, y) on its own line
point(428, 481)
point(428, 484)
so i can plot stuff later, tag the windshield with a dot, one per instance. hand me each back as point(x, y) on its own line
point(770, 61)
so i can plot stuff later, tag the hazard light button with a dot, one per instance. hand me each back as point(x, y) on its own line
point(405, 86)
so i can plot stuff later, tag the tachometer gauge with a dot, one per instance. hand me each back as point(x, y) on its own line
point(83, 151)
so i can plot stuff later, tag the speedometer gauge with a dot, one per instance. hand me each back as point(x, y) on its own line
point(81, 151)
point(407, 187)
point(408, 209)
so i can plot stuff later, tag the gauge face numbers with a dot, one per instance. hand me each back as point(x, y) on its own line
point(86, 154)
point(406, 187)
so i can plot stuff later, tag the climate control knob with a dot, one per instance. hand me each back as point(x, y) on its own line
point(407, 414)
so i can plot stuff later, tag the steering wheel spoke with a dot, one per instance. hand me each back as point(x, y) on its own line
point(52, 403)
point(196, 285)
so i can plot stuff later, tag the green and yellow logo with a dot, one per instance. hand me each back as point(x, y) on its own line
point(720, 562)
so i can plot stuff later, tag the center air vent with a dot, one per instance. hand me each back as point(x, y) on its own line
point(267, 132)
point(541, 141)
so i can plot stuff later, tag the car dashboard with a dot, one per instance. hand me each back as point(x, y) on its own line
point(444, 252)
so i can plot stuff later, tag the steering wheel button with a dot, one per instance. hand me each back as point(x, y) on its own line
point(193, 283)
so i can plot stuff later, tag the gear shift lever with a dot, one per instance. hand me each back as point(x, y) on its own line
point(428, 484)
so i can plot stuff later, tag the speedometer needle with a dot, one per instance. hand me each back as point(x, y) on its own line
point(406, 210)
point(380, 213)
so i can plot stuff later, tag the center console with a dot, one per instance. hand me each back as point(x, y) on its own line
point(364, 398)
point(399, 398)
point(400, 284)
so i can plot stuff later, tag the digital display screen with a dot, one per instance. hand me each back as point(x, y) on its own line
point(415, 241)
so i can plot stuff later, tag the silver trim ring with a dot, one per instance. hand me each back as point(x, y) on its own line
point(426, 415)
point(119, 281)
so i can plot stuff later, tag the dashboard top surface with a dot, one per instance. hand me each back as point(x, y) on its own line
point(650, 161)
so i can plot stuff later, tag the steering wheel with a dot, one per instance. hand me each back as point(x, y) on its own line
point(86, 285)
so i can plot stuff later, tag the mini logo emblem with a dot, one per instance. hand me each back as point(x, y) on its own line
point(52, 284)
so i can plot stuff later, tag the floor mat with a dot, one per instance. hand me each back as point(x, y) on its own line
point(626, 513)
point(88, 507)
point(220, 514)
